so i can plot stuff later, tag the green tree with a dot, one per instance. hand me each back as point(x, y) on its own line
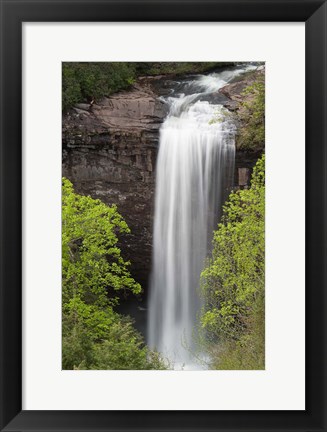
point(95, 336)
point(71, 89)
point(82, 82)
point(251, 134)
point(92, 265)
point(233, 281)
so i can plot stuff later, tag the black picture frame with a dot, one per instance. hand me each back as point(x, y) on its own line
point(13, 14)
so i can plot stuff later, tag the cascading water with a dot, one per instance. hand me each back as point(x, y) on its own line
point(194, 169)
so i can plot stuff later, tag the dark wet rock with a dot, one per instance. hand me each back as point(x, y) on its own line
point(244, 163)
point(213, 98)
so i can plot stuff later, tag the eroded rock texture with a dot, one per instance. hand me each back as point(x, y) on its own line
point(109, 152)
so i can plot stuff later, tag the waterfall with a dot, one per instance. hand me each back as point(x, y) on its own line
point(195, 168)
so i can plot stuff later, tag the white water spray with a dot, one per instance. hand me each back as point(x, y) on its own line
point(195, 168)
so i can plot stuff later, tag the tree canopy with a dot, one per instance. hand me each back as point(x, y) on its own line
point(233, 281)
point(95, 336)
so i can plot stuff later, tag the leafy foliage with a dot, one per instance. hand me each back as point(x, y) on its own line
point(178, 68)
point(91, 261)
point(252, 116)
point(93, 271)
point(233, 281)
point(89, 81)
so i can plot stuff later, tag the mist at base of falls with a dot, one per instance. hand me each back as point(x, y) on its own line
point(194, 173)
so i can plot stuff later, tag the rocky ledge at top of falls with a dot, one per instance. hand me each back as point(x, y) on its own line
point(136, 111)
point(109, 152)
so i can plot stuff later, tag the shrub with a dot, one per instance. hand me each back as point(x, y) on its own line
point(94, 336)
point(233, 281)
point(251, 135)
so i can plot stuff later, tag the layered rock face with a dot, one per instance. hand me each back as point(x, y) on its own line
point(109, 152)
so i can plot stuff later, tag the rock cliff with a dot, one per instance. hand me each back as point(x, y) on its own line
point(109, 152)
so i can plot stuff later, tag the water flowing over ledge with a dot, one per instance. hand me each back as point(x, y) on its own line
point(195, 168)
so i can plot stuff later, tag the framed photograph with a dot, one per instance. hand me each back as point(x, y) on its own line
point(163, 215)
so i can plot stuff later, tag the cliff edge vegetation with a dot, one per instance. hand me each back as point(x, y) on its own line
point(86, 82)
